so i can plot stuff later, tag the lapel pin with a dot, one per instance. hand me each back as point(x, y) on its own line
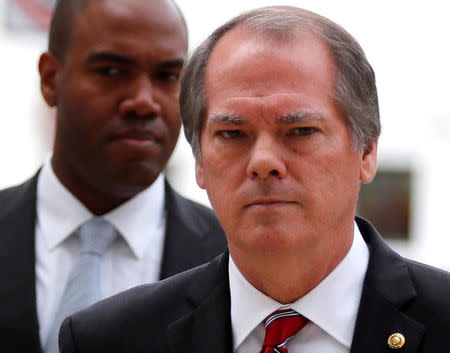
point(396, 341)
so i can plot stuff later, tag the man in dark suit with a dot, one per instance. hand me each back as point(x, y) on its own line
point(280, 107)
point(112, 72)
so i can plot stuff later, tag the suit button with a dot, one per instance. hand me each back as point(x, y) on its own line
point(396, 341)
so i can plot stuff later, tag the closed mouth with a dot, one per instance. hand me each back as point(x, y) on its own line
point(137, 135)
point(269, 202)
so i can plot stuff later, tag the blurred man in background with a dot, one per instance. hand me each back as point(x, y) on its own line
point(99, 217)
point(280, 106)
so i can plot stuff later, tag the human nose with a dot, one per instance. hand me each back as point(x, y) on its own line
point(266, 160)
point(140, 100)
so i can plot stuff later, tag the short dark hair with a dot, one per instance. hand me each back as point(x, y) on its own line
point(65, 15)
point(355, 91)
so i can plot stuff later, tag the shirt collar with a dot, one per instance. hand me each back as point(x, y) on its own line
point(60, 213)
point(139, 218)
point(249, 306)
point(332, 304)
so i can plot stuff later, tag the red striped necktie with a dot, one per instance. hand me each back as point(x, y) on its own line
point(281, 326)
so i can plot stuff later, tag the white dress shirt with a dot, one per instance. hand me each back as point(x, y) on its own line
point(134, 257)
point(331, 307)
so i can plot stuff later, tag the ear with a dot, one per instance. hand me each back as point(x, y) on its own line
point(199, 174)
point(49, 69)
point(369, 162)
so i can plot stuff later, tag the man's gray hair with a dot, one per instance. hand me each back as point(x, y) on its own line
point(355, 91)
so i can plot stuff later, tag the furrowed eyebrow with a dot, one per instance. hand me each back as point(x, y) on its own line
point(107, 56)
point(123, 59)
point(292, 118)
point(228, 119)
point(172, 64)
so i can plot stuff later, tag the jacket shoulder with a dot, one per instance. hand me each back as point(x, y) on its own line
point(197, 216)
point(124, 322)
point(432, 287)
point(193, 235)
point(431, 305)
point(12, 196)
point(164, 297)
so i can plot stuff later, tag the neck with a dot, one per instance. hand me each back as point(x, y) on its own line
point(289, 275)
point(95, 200)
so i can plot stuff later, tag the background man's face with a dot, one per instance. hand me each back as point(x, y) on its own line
point(117, 95)
point(277, 160)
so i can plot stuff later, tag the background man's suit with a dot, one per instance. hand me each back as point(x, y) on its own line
point(193, 236)
point(190, 312)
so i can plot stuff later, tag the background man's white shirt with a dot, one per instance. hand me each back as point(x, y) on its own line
point(133, 258)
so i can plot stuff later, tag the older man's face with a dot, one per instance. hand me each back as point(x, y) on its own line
point(277, 159)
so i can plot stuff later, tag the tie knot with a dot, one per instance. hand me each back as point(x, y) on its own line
point(281, 326)
point(96, 235)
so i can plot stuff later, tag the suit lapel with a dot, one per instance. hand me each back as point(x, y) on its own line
point(387, 291)
point(207, 328)
point(18, 319)
point(187, 234)
point(386, 294)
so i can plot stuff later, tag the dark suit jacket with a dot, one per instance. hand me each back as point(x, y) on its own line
point(190, 312)
point(193, 236)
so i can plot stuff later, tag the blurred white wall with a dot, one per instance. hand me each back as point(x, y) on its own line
point(406, 43)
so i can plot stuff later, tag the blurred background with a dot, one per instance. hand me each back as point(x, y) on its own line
point(405, 41)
